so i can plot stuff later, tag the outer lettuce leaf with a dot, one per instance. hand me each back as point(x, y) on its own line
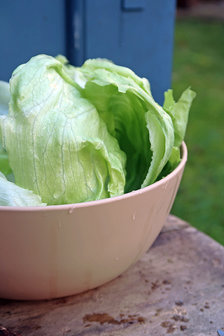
point(4, 102)
point(4, 161)
point(179, 112)
point(173, 162)
point(12, 195)
point(124, 101)
point(57, 145)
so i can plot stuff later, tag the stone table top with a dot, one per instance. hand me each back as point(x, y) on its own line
point(177, 288)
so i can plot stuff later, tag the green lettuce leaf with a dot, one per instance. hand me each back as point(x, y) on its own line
point(12, 195)
point(58, 146)
point(172, 163)
point(4, 161)
point(4, 105)
point(124, 101)
point(179, 112)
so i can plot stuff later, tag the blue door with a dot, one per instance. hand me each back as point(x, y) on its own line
point(133, 33)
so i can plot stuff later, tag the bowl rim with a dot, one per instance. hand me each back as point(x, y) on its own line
point(133, 193)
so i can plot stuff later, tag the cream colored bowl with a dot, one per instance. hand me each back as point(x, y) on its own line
point(62, 250)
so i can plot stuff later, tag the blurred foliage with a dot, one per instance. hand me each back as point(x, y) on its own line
point(199, 62)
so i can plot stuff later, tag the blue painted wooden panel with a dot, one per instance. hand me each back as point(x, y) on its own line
point(76, 31)
point(27, 28)
point(134, 33)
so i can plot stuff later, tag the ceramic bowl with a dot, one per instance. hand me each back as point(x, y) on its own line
point(55, 251)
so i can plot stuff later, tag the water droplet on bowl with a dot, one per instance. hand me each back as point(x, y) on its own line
point(70, 211)
point(133, 216)
point(165, 186)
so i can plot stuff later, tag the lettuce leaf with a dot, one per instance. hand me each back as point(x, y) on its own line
point(143, 129)
point(58, 146)
point(4, 102)
point(12, 195)
point(178, 112)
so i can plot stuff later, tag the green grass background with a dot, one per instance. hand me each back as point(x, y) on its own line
point(199, 63)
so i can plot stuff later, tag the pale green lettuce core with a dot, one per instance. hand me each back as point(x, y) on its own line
point(81, 134)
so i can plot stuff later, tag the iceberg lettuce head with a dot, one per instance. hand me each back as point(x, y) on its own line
point(79, 134)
